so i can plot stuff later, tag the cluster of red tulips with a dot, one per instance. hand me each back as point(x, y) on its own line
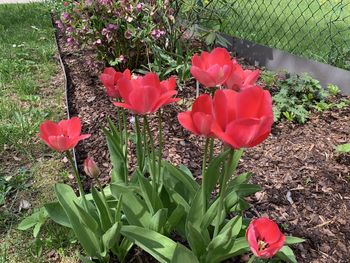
point(237, 112)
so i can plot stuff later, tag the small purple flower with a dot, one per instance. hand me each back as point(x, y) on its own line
point(139, 7)
point(156, 33)
point(105, 31)
point(59, 24)
point(70, 29)
point(71, 41)
point(65, 17)
point(112, 27)
point(98, 42)
point(121, 58)
point(105, 2)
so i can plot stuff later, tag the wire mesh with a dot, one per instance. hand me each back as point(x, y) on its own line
point(315, 29)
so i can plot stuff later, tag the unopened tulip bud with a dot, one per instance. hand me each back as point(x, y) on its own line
point(91, 168)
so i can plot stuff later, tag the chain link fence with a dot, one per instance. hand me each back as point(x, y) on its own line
point(315, 29)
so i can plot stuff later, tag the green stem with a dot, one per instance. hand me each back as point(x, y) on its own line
point(126, 141)
point(139, 155)
point(204, 197)
point(230, 167)
point(160, 143)
point(211, 151)
point(252, 259)
point(153, 170)
point(120, 123)
point(104, 197)
point(76, 175)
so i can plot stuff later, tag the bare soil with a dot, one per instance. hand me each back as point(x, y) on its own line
point(305, 183)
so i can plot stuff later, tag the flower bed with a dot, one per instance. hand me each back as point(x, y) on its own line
point(292, 159)
point(280, 198)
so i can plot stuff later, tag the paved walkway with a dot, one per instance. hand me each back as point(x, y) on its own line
point(18, 1)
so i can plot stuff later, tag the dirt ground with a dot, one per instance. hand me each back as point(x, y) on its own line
point(305, 184)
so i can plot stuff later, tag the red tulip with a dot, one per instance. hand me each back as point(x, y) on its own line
point(264, 237)
point(212, 69)
point(169, 84)
point(91, 168)
point(109, 79)
point(199, 120)
point(145, 94)
point(243, 119)
point(240, 79)
point(62, 136)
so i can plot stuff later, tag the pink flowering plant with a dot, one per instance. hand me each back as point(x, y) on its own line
point(146, 204)
point(124, 33)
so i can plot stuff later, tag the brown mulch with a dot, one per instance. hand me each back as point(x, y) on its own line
point(305, 184)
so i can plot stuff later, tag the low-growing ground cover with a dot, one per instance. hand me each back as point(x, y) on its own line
point(31, 90)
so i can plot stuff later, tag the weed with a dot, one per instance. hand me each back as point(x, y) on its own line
point(297, 96)
point(333, 89)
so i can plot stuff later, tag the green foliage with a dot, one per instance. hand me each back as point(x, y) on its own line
point(333, 89)
point(297, 96)
point(343, 148)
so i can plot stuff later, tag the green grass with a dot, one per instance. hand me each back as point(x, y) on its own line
point(26, 55)
point(316, 29)
point(31, 90)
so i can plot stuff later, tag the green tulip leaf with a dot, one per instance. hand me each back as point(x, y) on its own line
point(87, 219)
point(180, 181)
point(220, 247)
point(110, 238)
point(174, 218)
point(198, 242)
point(87, 238)
point(105, 218)
point(213, 173)
point(160, 247)
point(183, 255)
point(286, 254)
point(294, 240)
point(136, 210)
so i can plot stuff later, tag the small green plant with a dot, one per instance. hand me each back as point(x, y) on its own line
point(333, 89)
point(269, 77)
point(343, 148)
point(297, 96)
point(12, 183)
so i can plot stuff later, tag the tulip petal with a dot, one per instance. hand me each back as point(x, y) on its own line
point(48, 128)
point(110, 71)
point(202, 76)
point(125, 86)
point(203, 104)
point(59, 143)
point(185, 119)
point(219, 56)
point(169, 84)
point(107, 80)
point(254, 102)
point(251, 77)
point(74, 127)
point(202, 122)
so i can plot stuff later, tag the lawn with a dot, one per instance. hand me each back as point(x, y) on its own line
point(315, 29)
point(31, 90)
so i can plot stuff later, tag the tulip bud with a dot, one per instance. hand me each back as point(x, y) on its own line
point(91, 168)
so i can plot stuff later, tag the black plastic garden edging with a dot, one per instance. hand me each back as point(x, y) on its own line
point(67, 80)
